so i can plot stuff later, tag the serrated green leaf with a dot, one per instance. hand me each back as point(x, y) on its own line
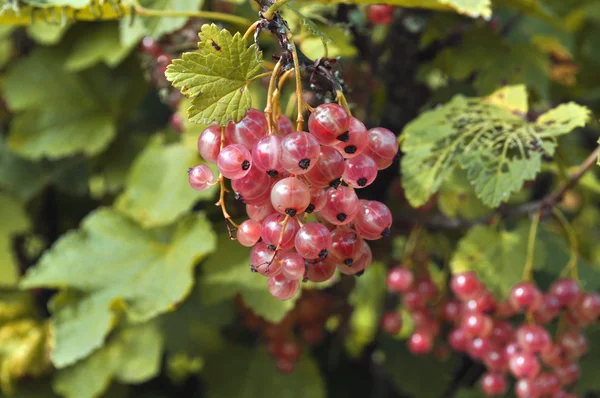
point(100, 43)
point(14, 221)
point(341, 44)
point(133, 355)
point(308, 23)
point(471, 8)
point(411, 374)
point(498, 150)
point(47, 33)
point(562, 119)
point(227, 273)
point(457, 198)
point(217, 77)
point(159, 169)
point(117, 266)
point(367, 302)
point(497, 257)
point(250, 373)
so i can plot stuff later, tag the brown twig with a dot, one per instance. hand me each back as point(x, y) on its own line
point(544, 206)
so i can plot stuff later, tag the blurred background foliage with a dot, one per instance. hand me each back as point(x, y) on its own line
point(132, 287)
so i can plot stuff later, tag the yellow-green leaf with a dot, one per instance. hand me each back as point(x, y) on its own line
point(14, 221)
point(217, 76)
point(116, 266)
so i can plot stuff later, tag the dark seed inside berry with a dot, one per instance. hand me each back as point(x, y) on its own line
point(341, 217)
point(189, 170)
point(385, 232)
point(361, 182)
point(350, 149)
point(310, 208)
point(348, 262)
point(335, 183)
point(290, 212)
point(245, 165)
point(253, 268)
point(238, 196)
point(360, 273)
point(323, 253)
point(271, 247)
point(272, 173)
point(345, 137)
point(304, 164)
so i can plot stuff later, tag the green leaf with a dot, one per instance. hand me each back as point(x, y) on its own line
point(133, 356)
point(306, 22)
point(217, 77)
point(253, 374)
point(227, 273)
point(341, 44)
point(367, 301)
point(59, 113)
point(412, 374)
point(157, 26)
point(100, 43)
point(471, 8)
point(117, 266)
point(457, 198)
point(498, 150)
point(47, 33)
point(497, 257)
point(160, 169)
point(14, 221)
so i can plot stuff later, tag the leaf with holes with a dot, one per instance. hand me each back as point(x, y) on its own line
point(217, 76)
point(498, 149)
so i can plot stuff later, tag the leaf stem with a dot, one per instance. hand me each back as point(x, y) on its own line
point(411, 244)
point(210, 15)
point(273, 9)
point(269, 107)
point(573, 244)
point(528, 270)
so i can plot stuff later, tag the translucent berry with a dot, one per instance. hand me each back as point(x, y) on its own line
point(496, 360)
point(466, 285)
point(341, 206)
point(588, 306)
point(566, 290)
point(553, 356)
point(354, 141)
point(320, 270)
point(525, 297)
point(533, 338)
point(382, 146)
point(328, 170)
point(317, 200)
point(209, 144)
point(502, 332)
point(292, 265)
point(548, 383)
point(568, 373)
point(249, 130)
point(200, 177)
point(290, 196)
point(373, 220)
point(400, 279)
point(479, 347)
point(299, 152)
point(380, 14)
point(260, 212)
point(328, 122)
point(458, 339)
point(248, 233)
point(346, 245)
point(263, 261)
point(420, 342)
point(313, 240)
point(254, 188)
point(527, 388)
point(360, 171)
point(574, 344)
point(391, 322)
point(271, 231)
point(548, 310)
point(282, 288)
point(360, 265)
point(266, 155)
point(493, 384)
point(524, 365)
point(234, 161)
point(477, 324)
point(451, 311)
point(285, 125)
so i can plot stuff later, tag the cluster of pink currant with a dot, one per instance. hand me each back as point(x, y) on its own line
point(305, 218)
point(481, 327)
